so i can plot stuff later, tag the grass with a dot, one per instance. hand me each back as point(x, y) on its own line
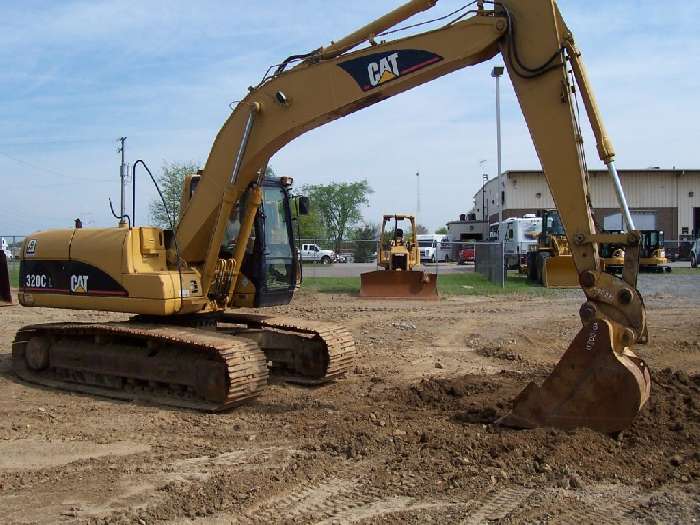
point(13, 267)
point(448, 284)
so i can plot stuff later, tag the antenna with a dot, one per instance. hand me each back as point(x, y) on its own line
point(122, 179)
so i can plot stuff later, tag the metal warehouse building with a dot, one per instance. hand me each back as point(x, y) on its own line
point(667, 200)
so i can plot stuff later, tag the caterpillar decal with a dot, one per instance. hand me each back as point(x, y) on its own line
point(373, 70)
point(67, 277)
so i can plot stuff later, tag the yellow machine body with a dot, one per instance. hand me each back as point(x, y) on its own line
point(115, 269)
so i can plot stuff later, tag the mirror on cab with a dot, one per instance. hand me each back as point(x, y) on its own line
point(302, 205)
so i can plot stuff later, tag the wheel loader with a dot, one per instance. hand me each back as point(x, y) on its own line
point(551, 263)
point(398, 257)
point(185, 344)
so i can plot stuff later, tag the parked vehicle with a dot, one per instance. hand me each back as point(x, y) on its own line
point(5, 248)
point(519, 236)
point(466, 254)
point(311, 252)
point(434, 247)
point(345, 257)
point(695, 253)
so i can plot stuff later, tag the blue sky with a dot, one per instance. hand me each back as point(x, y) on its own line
point(74, 76)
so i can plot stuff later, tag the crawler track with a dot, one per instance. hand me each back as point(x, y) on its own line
point(169, 365)
point(300, 351)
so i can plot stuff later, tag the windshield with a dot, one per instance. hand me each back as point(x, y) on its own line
point(553, 224)
point(425, 244)
point(277, 243)
point(653, 239)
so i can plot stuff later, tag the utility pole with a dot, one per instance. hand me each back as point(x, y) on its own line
point(122, 179)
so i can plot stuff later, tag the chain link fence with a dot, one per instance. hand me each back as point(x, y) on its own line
point(489, 261)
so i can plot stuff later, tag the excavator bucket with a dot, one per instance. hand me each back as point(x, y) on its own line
point(5, 295)
point(390, 284)
point(560, 272)
point(593, 386)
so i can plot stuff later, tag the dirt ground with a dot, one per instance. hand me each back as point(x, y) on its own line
point(406, 437)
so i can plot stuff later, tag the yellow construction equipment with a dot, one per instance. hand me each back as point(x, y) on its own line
point(551, 263)
point(398, 257)
point(233, 243)
point(613, 255)
point(652, 254)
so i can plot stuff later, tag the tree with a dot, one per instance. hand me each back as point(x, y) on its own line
point(170, 181)
point(442, 230)
point(421, 230)
point(365, 237)
point(310, 226)
point(339, 205)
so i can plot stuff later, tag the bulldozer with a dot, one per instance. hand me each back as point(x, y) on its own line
point(551, 263)
point(398, 257)
point(233, 245)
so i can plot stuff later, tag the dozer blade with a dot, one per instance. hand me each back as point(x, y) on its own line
point(389, 284)
point(592, 386)
point(560, 272)
point(5, 295)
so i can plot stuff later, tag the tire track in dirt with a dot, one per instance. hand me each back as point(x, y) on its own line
point(496, 505)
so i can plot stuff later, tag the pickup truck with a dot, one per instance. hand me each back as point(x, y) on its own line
point(311, 252)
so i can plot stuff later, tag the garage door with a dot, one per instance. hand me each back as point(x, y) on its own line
point(643, 220)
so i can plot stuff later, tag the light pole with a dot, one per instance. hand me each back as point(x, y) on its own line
point(496, 73)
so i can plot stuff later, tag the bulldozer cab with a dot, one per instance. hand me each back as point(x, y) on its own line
point(397, 252)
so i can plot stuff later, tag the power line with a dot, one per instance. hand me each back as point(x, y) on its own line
point(51, 171)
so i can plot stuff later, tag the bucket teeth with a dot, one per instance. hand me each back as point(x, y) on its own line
point(593, 386)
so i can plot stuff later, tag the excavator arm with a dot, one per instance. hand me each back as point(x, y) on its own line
point(599, 382)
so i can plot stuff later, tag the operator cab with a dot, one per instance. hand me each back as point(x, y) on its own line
point(271, 260)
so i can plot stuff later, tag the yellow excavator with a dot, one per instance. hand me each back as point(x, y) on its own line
point(398, 257)
point(652, 254)
point(184, 346)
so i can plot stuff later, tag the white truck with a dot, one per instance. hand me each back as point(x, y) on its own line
point(311, 252)
point(434, 247)
point(4, 247)
point(519, 235)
